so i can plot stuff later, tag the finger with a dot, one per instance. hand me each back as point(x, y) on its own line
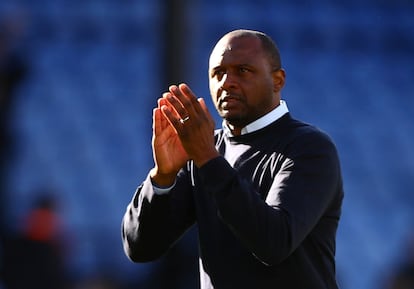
point(203, 105)
point(186, 98)
point(156, 120)
point(175, 104)
point(162, 102)
point(171, 116)
point(206, 111)
point(186, 90)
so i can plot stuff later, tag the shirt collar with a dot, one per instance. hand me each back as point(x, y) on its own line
point(259, 123)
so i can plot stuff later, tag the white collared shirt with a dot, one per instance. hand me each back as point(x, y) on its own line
point(265, 120)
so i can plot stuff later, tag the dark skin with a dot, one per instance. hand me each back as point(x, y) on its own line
point(244, 86)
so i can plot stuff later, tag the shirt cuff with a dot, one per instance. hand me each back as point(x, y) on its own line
point(161, 190)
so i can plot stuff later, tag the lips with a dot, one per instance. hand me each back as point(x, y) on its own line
point(228, 100)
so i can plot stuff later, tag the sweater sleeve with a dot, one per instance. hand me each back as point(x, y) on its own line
point(153, 222)
point(302, 189)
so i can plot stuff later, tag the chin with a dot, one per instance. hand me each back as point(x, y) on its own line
point(235, 121)
point(229, 117)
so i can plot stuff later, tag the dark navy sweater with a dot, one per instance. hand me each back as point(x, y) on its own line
point(267, 219)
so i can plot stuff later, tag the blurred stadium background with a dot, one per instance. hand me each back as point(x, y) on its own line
point(81, 117)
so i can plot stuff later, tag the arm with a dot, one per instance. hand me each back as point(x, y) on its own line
point(152, 223)
point(299, 196)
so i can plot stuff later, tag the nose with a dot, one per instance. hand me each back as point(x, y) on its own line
point(227, 82)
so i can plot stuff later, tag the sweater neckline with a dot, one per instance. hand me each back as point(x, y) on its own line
point(248, 137)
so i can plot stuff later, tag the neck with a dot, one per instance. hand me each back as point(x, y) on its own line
point(234, 130)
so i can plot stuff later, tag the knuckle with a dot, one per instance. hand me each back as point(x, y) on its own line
point(186, 102)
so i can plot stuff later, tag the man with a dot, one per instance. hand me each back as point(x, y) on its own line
point(265, 190)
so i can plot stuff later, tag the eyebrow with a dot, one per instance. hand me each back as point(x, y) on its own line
point(214, 69)
point(236, 65)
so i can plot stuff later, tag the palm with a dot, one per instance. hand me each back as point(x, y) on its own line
point(169, 154)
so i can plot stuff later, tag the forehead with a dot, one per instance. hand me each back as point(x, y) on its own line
point(236, 49)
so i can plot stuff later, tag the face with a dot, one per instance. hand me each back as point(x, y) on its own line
point(243, 84)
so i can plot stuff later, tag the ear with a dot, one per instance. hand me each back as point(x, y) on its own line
point(278, 79)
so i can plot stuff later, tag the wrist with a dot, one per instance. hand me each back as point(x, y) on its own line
point(162, 180)
point(199, 162)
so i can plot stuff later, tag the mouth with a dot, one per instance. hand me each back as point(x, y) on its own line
point(228, 100)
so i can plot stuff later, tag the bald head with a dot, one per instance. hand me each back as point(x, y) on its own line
point(267, 44)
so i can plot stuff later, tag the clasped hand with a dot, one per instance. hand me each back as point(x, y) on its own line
point(183, 129)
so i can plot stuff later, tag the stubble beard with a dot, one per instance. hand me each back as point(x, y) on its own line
point(236, 120)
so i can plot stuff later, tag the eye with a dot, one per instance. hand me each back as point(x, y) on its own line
point(218, 73)
point(243, 69)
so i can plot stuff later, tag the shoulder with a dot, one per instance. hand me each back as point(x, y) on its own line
point(308, 137)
